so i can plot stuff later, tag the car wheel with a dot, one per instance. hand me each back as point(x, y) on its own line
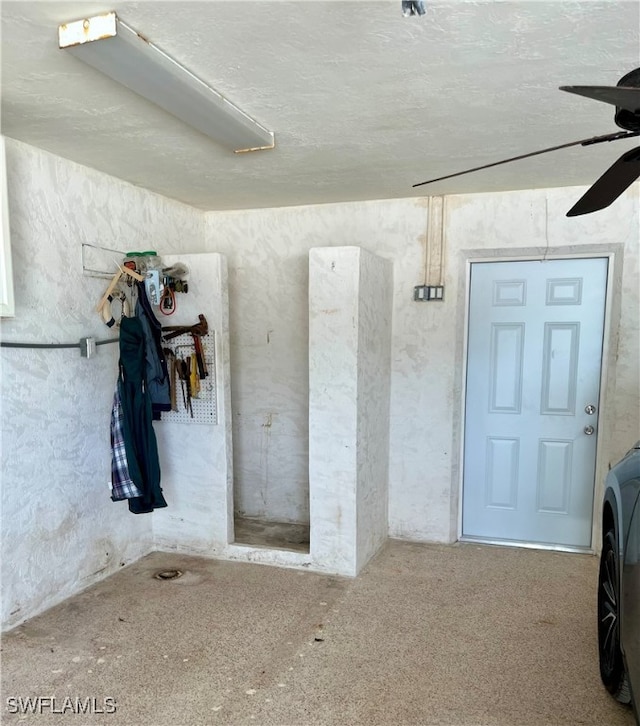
point(612, 670)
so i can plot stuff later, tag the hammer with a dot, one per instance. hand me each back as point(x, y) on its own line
point(197, 330)
point(201, 328)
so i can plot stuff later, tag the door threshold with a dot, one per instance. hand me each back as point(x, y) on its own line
point(527, 545)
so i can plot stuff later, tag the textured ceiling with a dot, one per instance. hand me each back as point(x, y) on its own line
point(364, 102)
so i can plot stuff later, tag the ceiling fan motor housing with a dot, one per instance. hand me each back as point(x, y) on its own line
point(625, 119)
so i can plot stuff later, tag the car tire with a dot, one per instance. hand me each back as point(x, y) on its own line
point(612, 668)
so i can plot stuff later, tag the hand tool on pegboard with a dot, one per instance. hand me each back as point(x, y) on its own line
point(201, 328)
point(186, 372)
point(179, 372)
point(200, 359)
point(194, 380)
point(170, 357)
point(196, 331)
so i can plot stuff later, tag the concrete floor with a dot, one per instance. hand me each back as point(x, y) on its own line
point(458, 636)
point(281, 535)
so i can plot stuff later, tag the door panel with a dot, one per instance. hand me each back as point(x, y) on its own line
point(533, 365)
point(559, 368)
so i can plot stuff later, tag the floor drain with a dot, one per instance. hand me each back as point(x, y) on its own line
point(168, 574)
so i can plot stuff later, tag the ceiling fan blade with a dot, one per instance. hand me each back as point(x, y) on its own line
point(610, 185)
point(621, 96)
point(583, 142)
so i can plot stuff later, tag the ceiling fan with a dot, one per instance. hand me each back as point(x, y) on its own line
point(625, 96)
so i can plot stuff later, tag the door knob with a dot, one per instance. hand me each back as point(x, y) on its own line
point(590, 409)
point(589, 430)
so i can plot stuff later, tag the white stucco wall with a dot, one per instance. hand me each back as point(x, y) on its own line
point(196, 457)
point(375, 293)
point(334, 282)
point(269, 326)
point(60, 529)
point(349, 376)
point(534, 224)
point(267, 252)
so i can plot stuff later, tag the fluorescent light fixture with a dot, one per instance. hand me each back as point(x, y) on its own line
point(118, 51)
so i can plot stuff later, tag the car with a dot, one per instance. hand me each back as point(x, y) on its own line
point(619, 582)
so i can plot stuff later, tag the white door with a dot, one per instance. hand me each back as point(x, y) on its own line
point(531, 419)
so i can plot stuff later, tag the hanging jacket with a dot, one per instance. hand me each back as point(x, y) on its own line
point(137, 428)
point(157, 373)
point(122, 486)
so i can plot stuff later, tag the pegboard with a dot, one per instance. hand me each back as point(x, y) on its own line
point(205, 406)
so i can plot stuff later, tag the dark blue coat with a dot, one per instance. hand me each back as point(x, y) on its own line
point(137, 423)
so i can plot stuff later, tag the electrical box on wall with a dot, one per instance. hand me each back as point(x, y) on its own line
point(428, 293)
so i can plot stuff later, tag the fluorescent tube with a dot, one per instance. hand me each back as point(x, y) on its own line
point(118, 51)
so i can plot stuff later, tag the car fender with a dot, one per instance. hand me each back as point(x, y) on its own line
point(622, 500)
point(613, 497)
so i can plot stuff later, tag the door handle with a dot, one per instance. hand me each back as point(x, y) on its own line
point(589, 430)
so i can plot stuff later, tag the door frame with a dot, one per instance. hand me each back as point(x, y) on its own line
point(614, 254)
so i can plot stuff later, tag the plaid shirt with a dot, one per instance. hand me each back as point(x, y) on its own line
point(122, 487)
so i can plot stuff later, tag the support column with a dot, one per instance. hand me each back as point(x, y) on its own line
point(350, 301)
